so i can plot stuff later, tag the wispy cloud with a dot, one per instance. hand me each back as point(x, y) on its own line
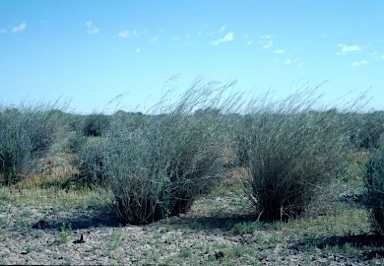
point(19, 28)
point(124, 34)
point(3, 31)
point(211, 33)
point(287, 62)
point(268, 36)
point(91, 29)
point(247, 40)
point(348, 48)
point(278, 51)
point(267, 41)
point(359, 63)
point(137, 50)
point(227, 38)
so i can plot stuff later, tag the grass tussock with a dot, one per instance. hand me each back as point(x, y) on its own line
point(291, 153)
point(158, 167)
point(374, 190)
point(26, 133)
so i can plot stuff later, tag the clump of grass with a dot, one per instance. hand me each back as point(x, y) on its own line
point(160, 166)
point(367, 129)
point(15, 146)
point(374, 186)
point(26, 132)
point(90, 164)
point(290, 152)
point(95, 124)
point(64, 233)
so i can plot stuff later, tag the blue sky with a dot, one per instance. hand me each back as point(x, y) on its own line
point(89, 52)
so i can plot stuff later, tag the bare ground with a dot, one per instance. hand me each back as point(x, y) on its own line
point(211, 234)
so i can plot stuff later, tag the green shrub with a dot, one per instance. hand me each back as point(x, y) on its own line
point(160, 167)
point(289, 153)
point(374, 194)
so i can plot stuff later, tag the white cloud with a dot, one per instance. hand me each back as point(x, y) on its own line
point(91, 29)
point(269, 36)
point(137, 50)
point(154, 39)
point(267, 44)
point(19, 28)
point(227, 38)
point(124, 34)
point(382, 57)
point(347, 49)
point(278, 51)
point(287, 62)
point(94, 30)
point(211, 33)
point(249, 42)
point(3, 31)
point(267, 41)
point(359, 63)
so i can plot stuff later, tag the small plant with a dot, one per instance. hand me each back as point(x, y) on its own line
point(116, 240)
point(246, 228)
point(186, 252)
point(64, 233)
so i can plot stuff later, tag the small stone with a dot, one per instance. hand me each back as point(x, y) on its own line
point(41, 225)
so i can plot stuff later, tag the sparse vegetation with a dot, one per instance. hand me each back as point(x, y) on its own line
point(159, 168)
point(234, 184)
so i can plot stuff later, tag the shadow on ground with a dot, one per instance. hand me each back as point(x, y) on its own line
point(371, 245)
point(83, 219)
